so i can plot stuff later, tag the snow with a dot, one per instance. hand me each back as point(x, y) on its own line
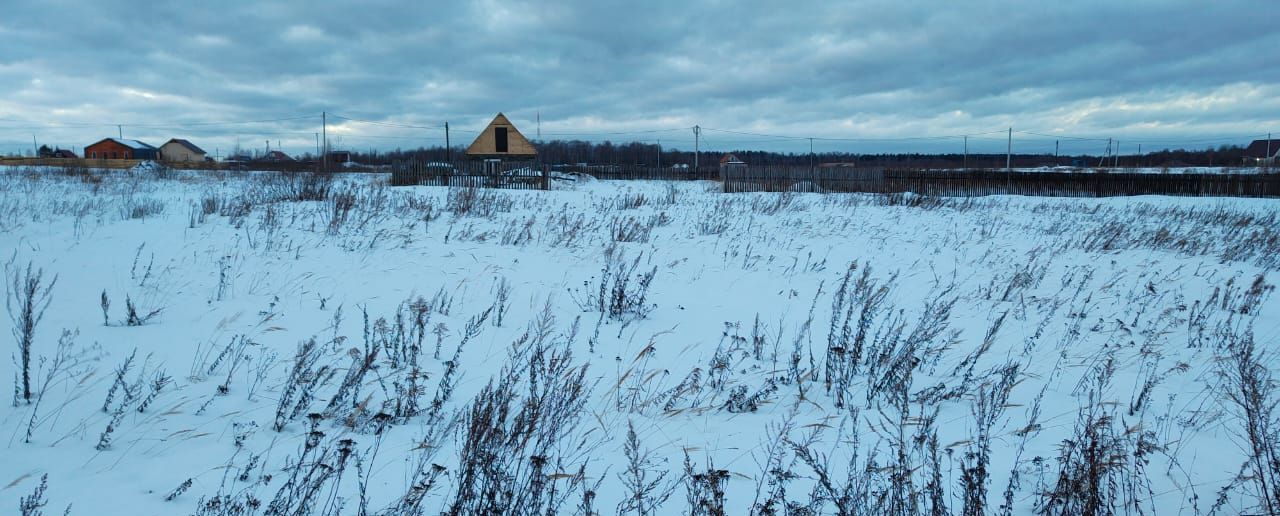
point(146, 167)
point(1139, 283)
point(134, 144)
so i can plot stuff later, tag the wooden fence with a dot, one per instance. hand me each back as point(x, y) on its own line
point(70, 163)
point(531, 176)
point(968, 183)
point(277, 166)
point(522, 176)
point(640, 172)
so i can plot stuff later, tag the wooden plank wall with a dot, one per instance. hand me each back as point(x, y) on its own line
point(966, 183)
point(470, 174)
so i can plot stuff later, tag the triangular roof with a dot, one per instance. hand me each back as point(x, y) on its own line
point(730, 159)
point(485, 145)
point(190, 146)
point(1258, 149)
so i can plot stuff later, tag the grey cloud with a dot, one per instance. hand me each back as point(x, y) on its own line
point(861, 69)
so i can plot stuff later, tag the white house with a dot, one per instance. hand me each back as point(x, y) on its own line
point(179, 150)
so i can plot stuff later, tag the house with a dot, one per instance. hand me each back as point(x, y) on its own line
point(179, 150)
point(52, 152)
point(116, 148)
point(339, 157)
point(501, 141)
point(731, 163)
point(276, 156)
point(1262, 152)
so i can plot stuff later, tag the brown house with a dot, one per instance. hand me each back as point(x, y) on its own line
point(731, 163)
point(1261, 152)
point(276, 156)
point(115, 148)
point(339, 157)
point(501, 140)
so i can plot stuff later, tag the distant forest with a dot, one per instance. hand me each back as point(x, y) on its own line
point(607, 153)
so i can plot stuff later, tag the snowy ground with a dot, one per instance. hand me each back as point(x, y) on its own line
point(406, 350)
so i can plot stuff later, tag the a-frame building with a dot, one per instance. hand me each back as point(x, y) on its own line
point(502, 141)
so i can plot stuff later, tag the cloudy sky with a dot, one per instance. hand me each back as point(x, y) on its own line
point(856, 75)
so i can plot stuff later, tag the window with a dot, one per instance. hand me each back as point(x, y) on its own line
point(500, 139)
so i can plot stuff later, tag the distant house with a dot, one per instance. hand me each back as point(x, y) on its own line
point(501, 141)
point(276, 156)
point(46, 151)
point(731, 163)
point(1262, 152)
point(339, 157)
point(116, 148)
point(179, 150)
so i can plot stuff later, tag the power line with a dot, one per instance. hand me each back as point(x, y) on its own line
point(1147, 140)
point(243, 122)
point(388, 124)
point(153, 125)
point(1063, 137)
point(851, 139)
point(618, 133)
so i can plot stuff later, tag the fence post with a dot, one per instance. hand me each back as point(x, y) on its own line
point(546, 177)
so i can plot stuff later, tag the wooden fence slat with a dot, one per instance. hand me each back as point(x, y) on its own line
point(767, 178)
point(998, 182)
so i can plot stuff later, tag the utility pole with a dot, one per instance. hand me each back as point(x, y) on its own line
point(35, 149)
point(1008, 165)
point(1115, 160)
point(966, 152)
point(1008, 155)
point(448, 150)
point(697, 132)
point(1055, 152)
point(539, 124)
point(119, 131)
point(1106, 154)
point(324, 135)
point(811, 155)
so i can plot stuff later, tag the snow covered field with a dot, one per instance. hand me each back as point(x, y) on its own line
point(269, 344)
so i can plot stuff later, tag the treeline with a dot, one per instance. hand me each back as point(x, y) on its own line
point(635, 153)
